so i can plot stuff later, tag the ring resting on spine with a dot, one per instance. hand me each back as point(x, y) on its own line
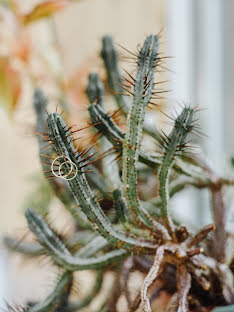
point(66, 176)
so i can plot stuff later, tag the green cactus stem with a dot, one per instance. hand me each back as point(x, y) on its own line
point(173, 145)
point(141, 94)
point(61, 256)
point(96, 93)
point(105, 124)
point(111, 61)
point(62, 141)
point(58, 296)
point(85, 241)
point(110, 58)
point(120, 206)
point(95, 89)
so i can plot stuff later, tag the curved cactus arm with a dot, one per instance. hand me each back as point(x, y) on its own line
point(107, 127)
point(61, 255)
point(45, 235)
point(34, 249)
point(174, 145)
point(120, 207)
point(150, 159)
point(96, 92)
point(111, 61)
point(141, 98)
point(80, 238)
point(90, 296)
point(40, 105)
point(62, 141)
point(91, 248)
point(27, 249)
point(58, 297)
point(95, 89)
point(141, 94)
point(58, 186)
point(105, 124)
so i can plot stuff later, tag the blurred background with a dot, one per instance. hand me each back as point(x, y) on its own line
point(56, 46)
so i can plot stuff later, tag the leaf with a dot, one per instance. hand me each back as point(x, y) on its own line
point(45, 9)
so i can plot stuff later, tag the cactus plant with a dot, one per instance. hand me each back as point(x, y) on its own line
point(135, 232)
